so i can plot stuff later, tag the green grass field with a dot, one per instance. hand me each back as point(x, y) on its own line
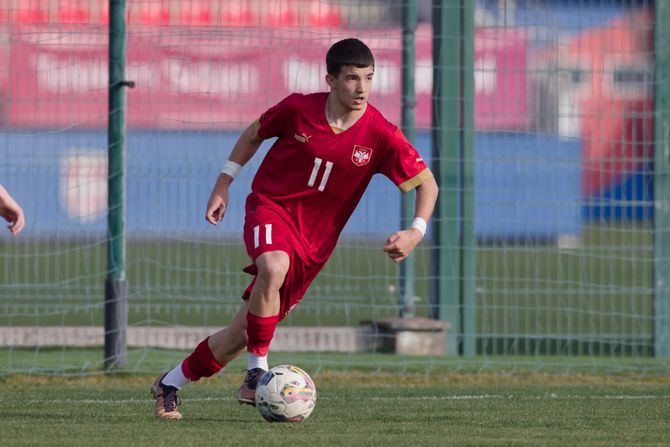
point(61, 396)
point(352, 410)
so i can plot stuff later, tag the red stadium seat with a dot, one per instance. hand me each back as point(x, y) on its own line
point(238, 14)
point(99, 13)
point(73, 14)
point(152, 13)
point(280, 13)
point(29, 11)
point(324, 15)
point(195, 12)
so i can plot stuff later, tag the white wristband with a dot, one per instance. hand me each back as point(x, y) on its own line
point(420, 225)
point(231, 168)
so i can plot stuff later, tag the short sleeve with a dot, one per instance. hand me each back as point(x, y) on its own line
point(402, 164)
point(273, 121)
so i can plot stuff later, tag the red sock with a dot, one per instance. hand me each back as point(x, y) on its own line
point(260, 331)
point(201, 363)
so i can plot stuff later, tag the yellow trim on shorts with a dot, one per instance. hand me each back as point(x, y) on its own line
point(415, 181)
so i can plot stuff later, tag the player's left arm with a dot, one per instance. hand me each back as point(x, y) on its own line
point(11, 211)
point(401, 243)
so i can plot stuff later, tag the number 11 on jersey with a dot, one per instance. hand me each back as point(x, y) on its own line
point(315, 173)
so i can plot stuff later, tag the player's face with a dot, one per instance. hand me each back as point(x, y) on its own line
point(352, 86)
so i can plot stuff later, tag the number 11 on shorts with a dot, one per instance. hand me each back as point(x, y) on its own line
point(257, 235)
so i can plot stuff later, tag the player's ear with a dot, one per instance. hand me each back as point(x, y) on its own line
point(330, 80)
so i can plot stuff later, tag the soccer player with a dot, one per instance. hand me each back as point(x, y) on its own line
point(328, 147)
point(11, 211)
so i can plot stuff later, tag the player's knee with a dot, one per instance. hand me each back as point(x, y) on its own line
point(273, 270)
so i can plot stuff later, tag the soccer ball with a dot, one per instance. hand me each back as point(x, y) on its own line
point(285, 393)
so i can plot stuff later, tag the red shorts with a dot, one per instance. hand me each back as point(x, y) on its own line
point(264, 231)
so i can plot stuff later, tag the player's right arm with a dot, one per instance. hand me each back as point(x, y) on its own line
point(245, 148)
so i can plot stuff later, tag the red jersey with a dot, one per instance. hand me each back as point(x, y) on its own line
point(314, 178)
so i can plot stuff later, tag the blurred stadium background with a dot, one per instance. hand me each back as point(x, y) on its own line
point(567, 248)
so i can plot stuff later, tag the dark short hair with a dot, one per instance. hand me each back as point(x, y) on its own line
point(348, 52)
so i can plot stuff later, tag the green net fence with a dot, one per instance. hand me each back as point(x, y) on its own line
point(562, 195)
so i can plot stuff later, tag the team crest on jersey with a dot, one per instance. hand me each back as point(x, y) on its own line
point(361, 155)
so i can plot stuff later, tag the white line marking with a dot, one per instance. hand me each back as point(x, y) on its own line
point(394, 398)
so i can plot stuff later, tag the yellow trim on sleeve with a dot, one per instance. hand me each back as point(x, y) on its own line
point(415, 181)
point(255, 138)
